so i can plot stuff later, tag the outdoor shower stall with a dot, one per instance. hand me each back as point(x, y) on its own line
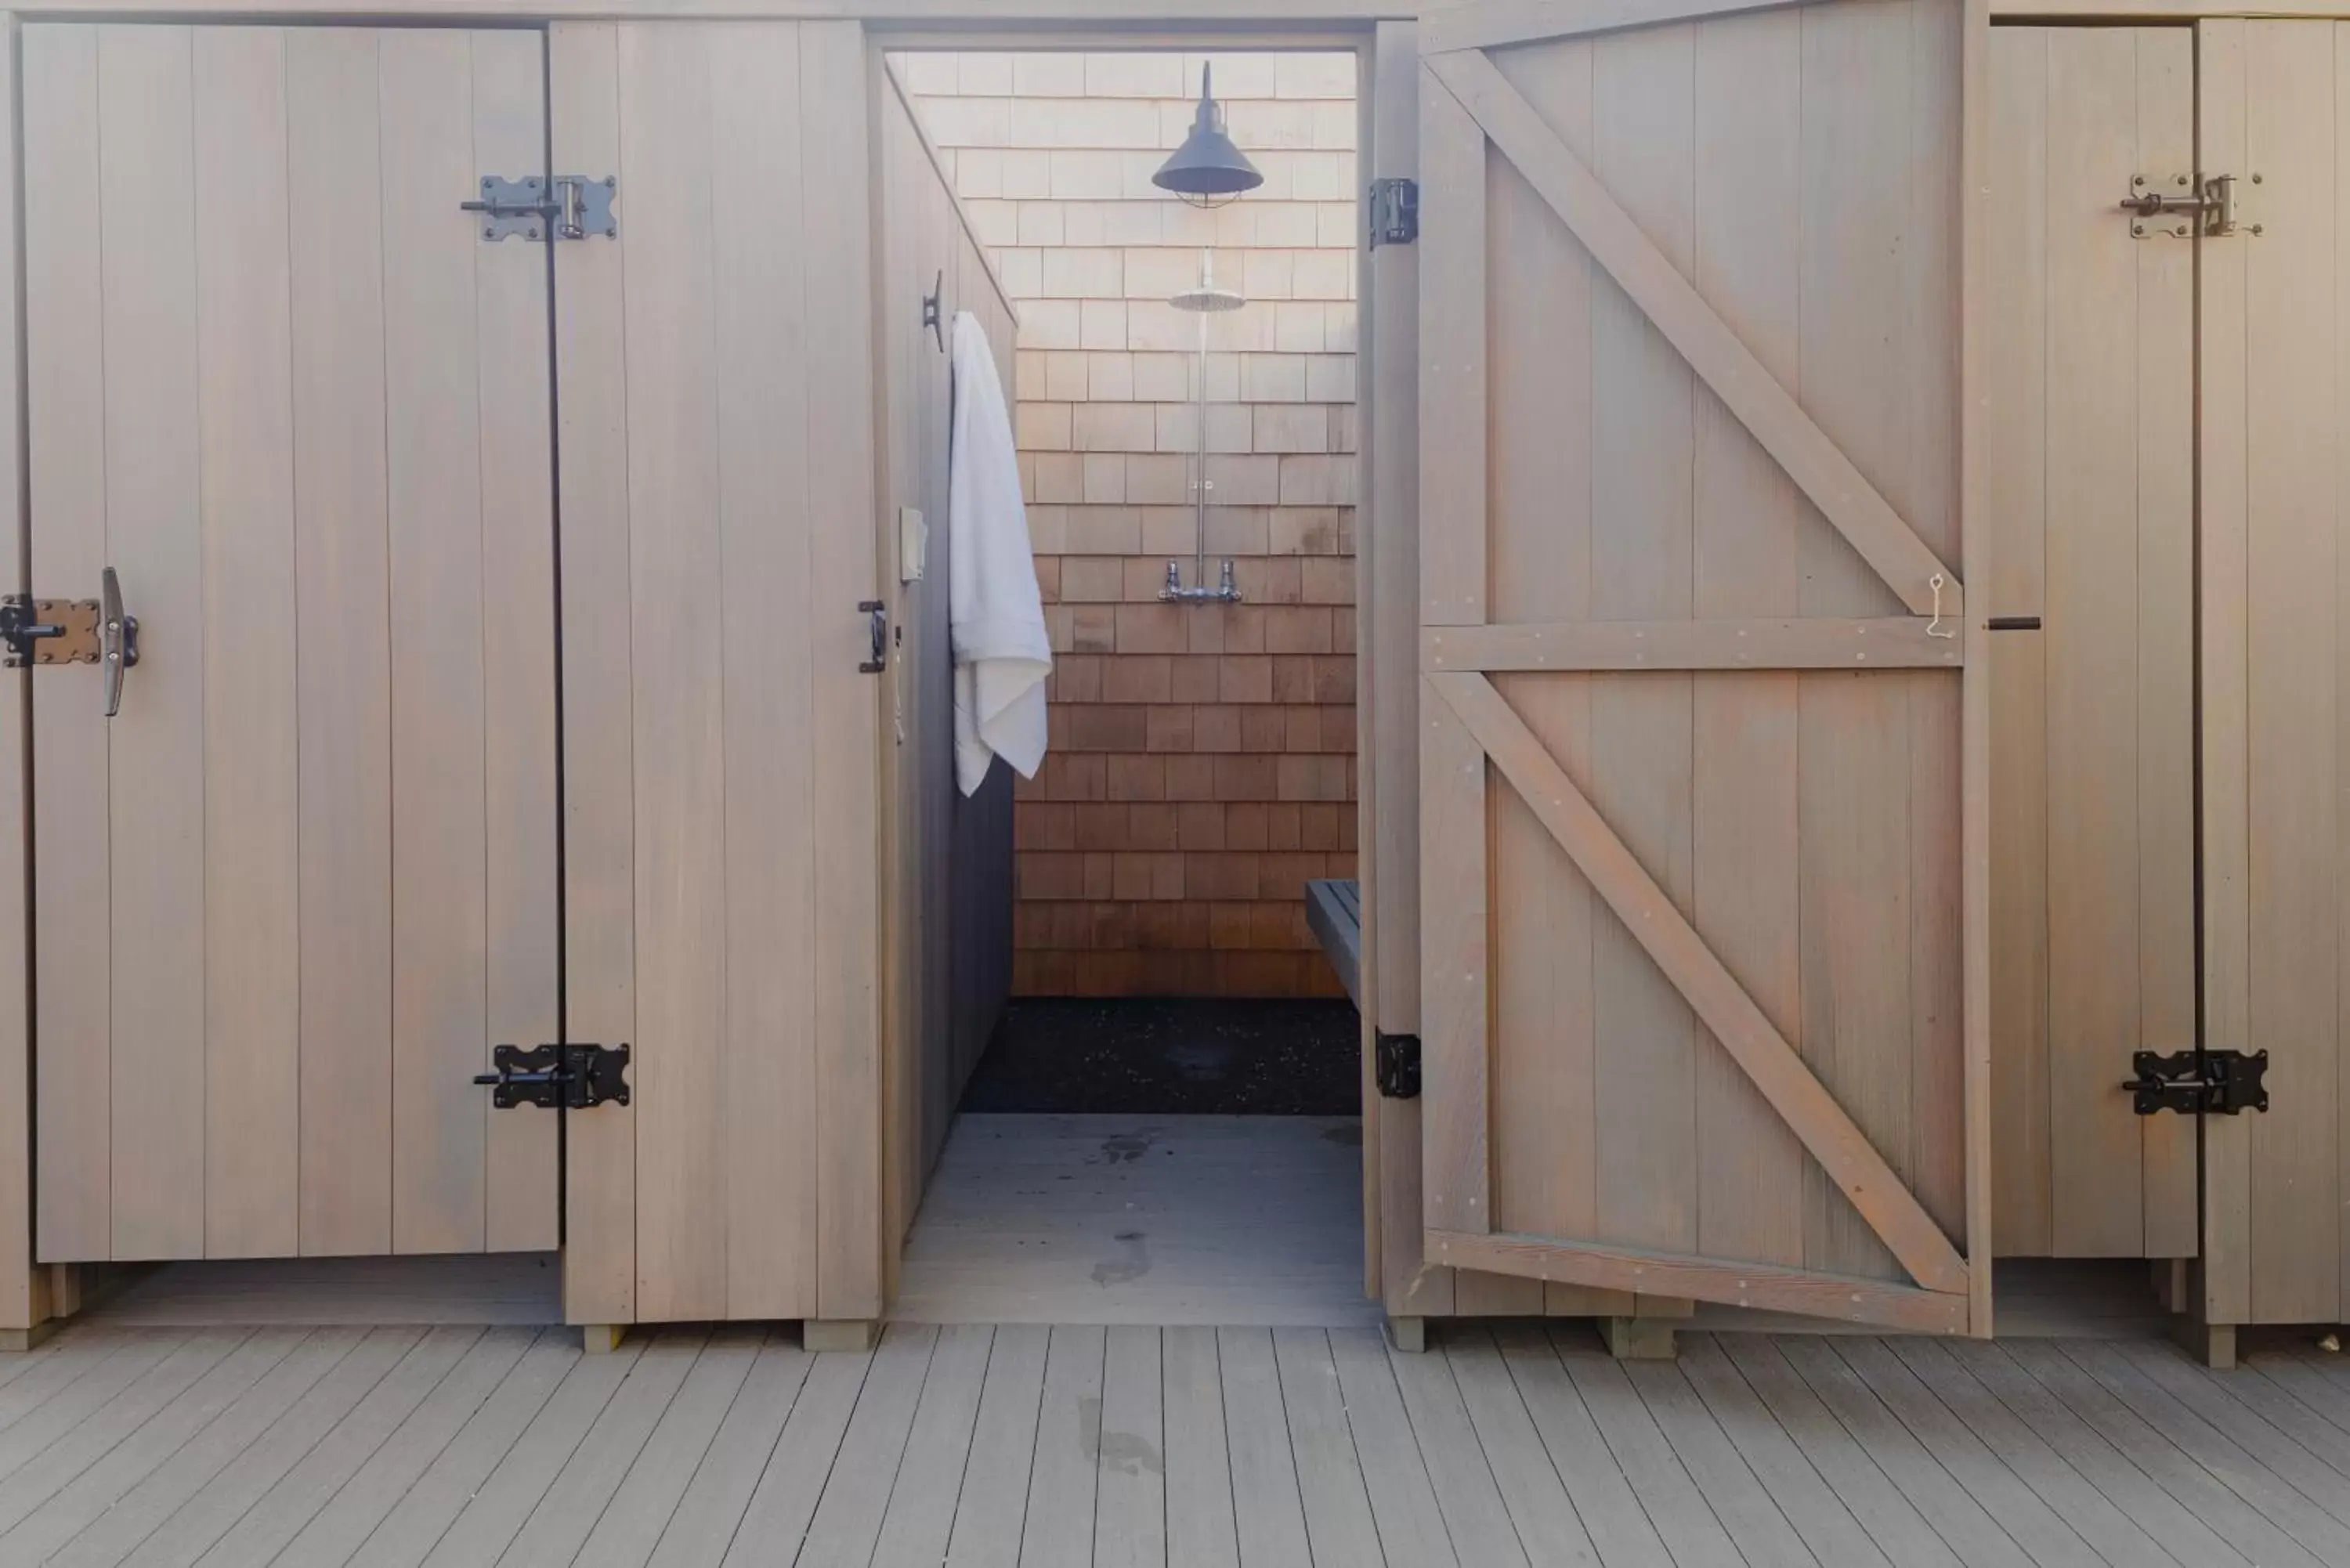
point(1779, 522)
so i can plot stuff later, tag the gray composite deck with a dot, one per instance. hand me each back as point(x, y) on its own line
point(972, 1444)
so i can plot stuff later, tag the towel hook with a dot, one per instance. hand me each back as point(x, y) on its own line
point(931, 310)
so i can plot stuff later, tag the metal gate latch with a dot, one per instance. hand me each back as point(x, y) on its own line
point(2223, 1084)
point(578, 206)
point(73, 631)
point(48, 631)
point(2205, 207)
point(1394, 209)
point(573, 1077)
point(1395, 1065)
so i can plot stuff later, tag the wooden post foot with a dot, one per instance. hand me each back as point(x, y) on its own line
point(2212, 1344)
point(1409, 1334)
point(839, 1333)
point(20, 1339)
point(601, 1339)
point(1639, 1338)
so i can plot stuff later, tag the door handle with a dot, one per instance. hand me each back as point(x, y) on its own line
point(117, 639)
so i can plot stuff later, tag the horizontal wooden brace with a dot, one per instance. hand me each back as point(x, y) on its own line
point(1768, 1286)
point(1886, 642)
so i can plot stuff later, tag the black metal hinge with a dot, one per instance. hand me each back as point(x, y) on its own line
point(2222, 1084)
point(1394, 208)
point(1395, 1065)
point(571, 1076)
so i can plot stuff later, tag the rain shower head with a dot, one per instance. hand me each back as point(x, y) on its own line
point(1207, 300)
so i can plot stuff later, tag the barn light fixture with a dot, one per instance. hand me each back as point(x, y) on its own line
point(1208, 171)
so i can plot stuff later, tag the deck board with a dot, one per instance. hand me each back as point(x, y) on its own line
point(427, 1441)
point(980, 1446)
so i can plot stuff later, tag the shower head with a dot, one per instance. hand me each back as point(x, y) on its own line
point(1207, 300)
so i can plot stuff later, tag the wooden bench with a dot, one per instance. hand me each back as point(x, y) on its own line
point(1334, 909)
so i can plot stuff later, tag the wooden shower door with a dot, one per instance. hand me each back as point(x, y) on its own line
point(289, 898)
point(1692, 637)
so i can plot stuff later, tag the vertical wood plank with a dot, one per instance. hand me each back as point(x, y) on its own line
point(2095, 322)
point(1855, 729)
point(252, 882)
point(1976, 694)
point(1928, 493)
point(2166, 665)
point(598, 806)
point(21, 1304)
point(676, 564)
point(2293, 612)
point(2342, 640)
point(833, 87)
point(2011, 315)
point(767, 523)
point(1456, 1119)
point(1539, 435)
point(343, 636)
point(1743, 840)
point(432, 468)
point(1388, 538)
point(518, 647)
point(2226, 958)
point(146, 187)
point(905, 249)
point(66, 451)
point(1453, 513)
point(1538, 549)
point(1642, 567)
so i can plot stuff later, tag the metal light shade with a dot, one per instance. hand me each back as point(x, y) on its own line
point(1208, 169)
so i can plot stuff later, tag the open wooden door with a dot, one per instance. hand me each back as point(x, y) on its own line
point(1692, 916)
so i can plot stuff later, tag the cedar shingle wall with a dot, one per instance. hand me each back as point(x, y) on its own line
point(1202, 758)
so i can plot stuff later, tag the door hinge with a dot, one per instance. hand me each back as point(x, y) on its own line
point(1395, 1065)
point(2222, 1084)
point(579, 206)
point(1394, 207)
point(2183, 206)
point(573, 1077)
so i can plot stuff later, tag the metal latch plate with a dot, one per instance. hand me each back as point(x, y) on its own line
point(2183, 206)
point(2222, 1084)
point(1395, 1065)
point(577, 207)
point(1394, 209)
point(48, 631)
point(574, 1077)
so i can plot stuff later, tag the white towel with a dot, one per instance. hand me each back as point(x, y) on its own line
point(1002, 652)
